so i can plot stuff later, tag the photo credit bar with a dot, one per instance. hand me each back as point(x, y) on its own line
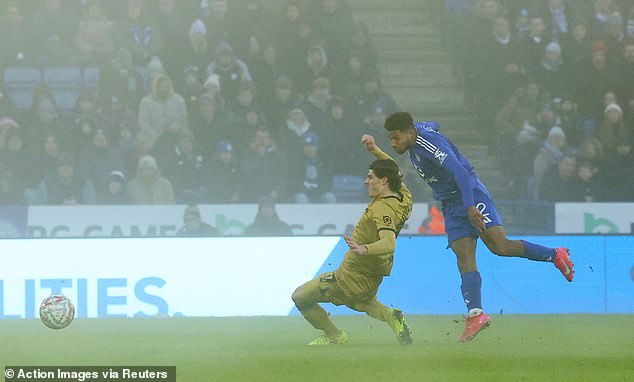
point(90, 373)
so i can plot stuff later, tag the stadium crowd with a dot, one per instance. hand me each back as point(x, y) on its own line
point(552, 84)
point(217, 101)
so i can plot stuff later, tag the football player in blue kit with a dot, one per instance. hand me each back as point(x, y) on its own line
point(468, 209)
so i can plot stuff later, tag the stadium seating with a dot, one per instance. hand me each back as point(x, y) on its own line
point(20, 84)
point(65, 84)
point(348, 188)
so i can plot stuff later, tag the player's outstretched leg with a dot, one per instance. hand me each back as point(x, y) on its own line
point(477, 321)
point(497, 242)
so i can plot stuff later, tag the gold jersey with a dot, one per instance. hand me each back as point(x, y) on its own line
point(384, 213)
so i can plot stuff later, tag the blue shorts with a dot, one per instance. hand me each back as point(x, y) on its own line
point(457, 223)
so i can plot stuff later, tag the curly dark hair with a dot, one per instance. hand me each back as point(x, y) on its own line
point(387, 168)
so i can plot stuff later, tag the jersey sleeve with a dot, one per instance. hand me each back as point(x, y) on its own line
point(439, 152)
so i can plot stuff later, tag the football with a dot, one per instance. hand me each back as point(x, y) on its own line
point(57, 311)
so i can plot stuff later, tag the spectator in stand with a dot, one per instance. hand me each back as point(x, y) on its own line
point(172, 22)
point(291, 140)
point(354, 75)
point(142, 145)
point(317, 105)
point(611, 127)
point(558, 15)
point(54, 26)
point(497, 71)
point(232, 71)
point(618, 172)
point(301, 41)
point(165, 143)
point(64, 186)
point(139, 34)
point(553, 72)
point(363, 46)
point(556, 185)
point(315, 65)
point(615, 38)
point(341, 135)
point(603, 10)
point(198, 52)
point(194, 225)
point(316, 183)
point(267, 222)
point(586, 186)
point(372, 97)
point(98, 159)
point(566, 109)
point(191, 87)
point(334, 25)
point(283, 100)
point(625, 84)
point(534, 45)
point(115, 190)
point(16, 159)
point(264, 169)
point(120, 83)
point(16, 45)
point(248, 38)
point(593, 79)
point(149, 186)
point(94, 41)
point(159, 109)
point(208, 122)
point(186, 168)
point(576, 46)
point(11, 192)
point(225, 178)
point(219, 24)
point(549, 154)
point(592, 150)
point(47, 122)
point(44, 158)
point(266, 68)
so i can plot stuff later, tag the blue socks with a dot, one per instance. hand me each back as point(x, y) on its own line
point(471, 289)
point(538, 253)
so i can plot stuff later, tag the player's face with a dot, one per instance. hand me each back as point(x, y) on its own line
point(400, 141)
point(375, 185)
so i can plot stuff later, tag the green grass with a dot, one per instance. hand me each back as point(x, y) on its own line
point(515, 348)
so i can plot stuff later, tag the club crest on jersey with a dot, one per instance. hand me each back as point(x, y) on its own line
point(387, 219)
point(440, 155)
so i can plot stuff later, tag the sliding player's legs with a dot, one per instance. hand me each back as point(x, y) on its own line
point(307, 298)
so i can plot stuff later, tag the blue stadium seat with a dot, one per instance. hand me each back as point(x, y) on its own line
point(348, 188)
point(91, 78)
point(65, 84)
point(20, 84)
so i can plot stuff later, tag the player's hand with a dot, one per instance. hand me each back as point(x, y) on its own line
point(476, 218)
point(354, 247)
point(368, 141)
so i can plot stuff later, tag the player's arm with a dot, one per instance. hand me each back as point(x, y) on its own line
point(386, 244)
point(371, 146)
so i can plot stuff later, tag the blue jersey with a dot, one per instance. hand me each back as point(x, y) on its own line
point(439, 162)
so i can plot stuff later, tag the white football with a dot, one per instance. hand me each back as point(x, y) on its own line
point(57, 311)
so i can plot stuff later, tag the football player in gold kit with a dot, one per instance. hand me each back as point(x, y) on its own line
point(369, 258)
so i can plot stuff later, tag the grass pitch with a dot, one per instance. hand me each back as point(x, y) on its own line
point(515, 348)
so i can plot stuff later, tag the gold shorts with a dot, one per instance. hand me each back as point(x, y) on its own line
point(343, 287)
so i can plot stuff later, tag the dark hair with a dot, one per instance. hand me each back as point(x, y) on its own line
point(399, 121)
point(387, 168)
